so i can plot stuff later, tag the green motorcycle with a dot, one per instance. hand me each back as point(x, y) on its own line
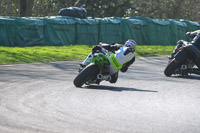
point(94, 72)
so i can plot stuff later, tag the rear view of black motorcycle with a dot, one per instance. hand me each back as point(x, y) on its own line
point(185, 58)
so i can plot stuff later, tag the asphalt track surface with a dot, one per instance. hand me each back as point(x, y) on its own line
point(41, 98)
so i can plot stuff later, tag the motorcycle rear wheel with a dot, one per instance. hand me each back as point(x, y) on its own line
point(86, 74)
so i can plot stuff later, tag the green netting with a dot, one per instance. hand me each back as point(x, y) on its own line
point(110, 30)
point(7, 31)
point(178, 30)
point(132, 29)
point(87, 31)
point(156, 32)
point(59, 31)
point(29, 32)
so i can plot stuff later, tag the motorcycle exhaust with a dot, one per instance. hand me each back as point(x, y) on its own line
point(104, 77)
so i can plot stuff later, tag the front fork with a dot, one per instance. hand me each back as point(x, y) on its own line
point(179, 44)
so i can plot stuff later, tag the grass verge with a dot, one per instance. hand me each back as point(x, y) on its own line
point(19, 55)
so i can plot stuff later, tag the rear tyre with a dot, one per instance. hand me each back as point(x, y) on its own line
point(86, 74)
point(175, 63)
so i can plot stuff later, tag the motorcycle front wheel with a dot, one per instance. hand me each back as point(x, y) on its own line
point(86, 74)
point(175, 63)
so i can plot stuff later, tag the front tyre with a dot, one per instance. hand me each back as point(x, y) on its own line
point(175, 63)
point(171, 67)
point(86, 74)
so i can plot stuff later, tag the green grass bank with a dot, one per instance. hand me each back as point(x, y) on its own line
point(20, 55)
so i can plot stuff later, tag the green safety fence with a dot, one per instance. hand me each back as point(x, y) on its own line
point(87, 31)
point(7, 31)
point(178, 30)
point(29, 32)
point(156, 31)
point(110, 30)
point(59, 30)
point(132, 29)
point(191, 26)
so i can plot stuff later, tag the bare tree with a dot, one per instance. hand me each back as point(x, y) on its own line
point(26, 7)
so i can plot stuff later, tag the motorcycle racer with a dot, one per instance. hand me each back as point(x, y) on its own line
point(185, 58)
point(196, 41)
point(120, 57)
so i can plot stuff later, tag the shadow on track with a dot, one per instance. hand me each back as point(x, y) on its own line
point(195, 77)
point(111, 88)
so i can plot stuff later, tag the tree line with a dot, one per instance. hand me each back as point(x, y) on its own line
point(158, 9)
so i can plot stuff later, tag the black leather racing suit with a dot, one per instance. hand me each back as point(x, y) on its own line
point(196, 41)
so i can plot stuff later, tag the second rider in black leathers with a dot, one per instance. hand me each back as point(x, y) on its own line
point(196, 41)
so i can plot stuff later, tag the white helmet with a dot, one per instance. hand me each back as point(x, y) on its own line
point(131, 44)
